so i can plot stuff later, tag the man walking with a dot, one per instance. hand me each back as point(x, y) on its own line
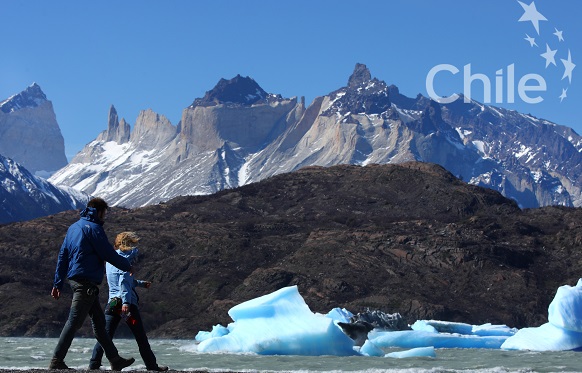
point(82, 262)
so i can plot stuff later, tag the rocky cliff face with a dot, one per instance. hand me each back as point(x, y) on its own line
point(238, 133)
point(204, 154)
point(369, 122)
point(29, 132)
point(408, 238)
point(537, 162)
point(116, 131)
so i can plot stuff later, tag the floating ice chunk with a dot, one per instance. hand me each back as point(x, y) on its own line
point(413, 339)
point(564, 329)
point(280, 323)
point(370, 349)
point(422, 325)
point(462, 328)
point(340, 315)
point(450, 327)
point(415, 352)
point(217, 331)
point(547, 337)
point(489, 330)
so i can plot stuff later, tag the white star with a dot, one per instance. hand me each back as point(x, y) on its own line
point(568, 67)
point(563, 95)
point(559, 34)
point(549, 55)
point(532, 41)
point(532, 14)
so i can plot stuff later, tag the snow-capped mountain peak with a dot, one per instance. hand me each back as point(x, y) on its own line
point(25, 196)
point(238, 90)
point(31, 97)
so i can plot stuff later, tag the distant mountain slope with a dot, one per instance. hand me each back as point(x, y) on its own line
point(408, 238)
point(370, 122)
point(25, 196)
point(203, 155)
point(238, 133)
point(29, 132)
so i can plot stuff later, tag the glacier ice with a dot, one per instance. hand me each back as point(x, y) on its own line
point(281, 323)
point(421, 338)
point(563, 331)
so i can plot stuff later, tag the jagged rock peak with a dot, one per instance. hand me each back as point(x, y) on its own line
point(32, 96)
point(362, 95)
point(113, 118)
point(360, 75)
point(117, 130)
point(238, 90)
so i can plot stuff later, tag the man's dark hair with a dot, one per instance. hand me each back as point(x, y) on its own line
point(98, 204)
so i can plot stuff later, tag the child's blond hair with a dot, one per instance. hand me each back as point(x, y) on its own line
point(126, 241)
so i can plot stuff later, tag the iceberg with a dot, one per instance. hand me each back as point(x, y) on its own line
point(421, 338)
point(462, 328)
point(280, 323)
point(217, 331)
point(340, 314)
point(443, 334)
point(546, 337)
point(370, 349)
point(563, 331)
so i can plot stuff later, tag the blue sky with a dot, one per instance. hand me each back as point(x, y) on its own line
point(161, 55)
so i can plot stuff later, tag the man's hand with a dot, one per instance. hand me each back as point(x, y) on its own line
point(56, 293)
point(125, 308)
point(147, 284)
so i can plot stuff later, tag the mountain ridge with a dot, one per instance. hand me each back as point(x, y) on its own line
point(238, 133)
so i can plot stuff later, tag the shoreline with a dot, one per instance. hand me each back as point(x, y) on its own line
point(72, 370)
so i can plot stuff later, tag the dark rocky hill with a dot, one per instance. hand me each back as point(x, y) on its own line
point(408, 238)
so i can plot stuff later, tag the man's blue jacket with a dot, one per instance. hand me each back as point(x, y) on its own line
point(85, 250)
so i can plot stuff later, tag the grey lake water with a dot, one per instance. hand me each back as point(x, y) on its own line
point(30, 353)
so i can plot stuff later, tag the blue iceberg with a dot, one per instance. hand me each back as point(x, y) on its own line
point(281, 323)
point(420, 338)
point(563, 331)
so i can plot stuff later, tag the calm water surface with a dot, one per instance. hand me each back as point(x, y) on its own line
point(25, 353)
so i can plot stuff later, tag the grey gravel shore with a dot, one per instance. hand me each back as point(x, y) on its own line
point(37, 370)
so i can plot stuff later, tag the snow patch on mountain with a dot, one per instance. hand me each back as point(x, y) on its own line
point(25, 196)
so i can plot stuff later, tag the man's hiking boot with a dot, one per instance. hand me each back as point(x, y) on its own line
point(119, 363)
point(58, 364)
point(159, 368)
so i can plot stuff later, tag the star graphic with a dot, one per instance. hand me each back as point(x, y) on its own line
point(559, 34)
point(568, 67)
point(549, 55)
point(532, 14)
point(532, 41)
point(563, 95)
